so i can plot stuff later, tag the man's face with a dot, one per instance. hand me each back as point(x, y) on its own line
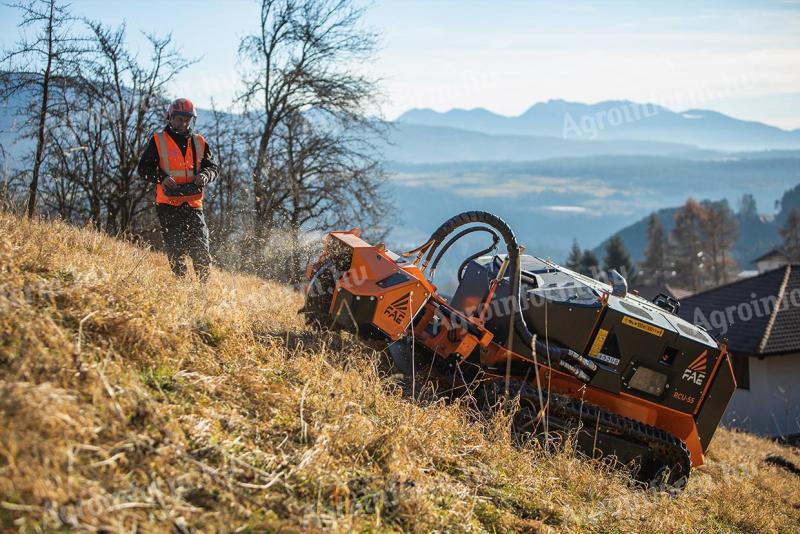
point(180, 122)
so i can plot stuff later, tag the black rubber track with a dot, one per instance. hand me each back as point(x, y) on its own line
point(666, 468)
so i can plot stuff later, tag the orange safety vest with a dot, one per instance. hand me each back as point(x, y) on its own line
point(181, 167)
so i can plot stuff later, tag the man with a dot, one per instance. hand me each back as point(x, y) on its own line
point(181, 164)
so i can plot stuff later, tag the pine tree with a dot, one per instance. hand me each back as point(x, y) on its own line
point(656, 263)
point(589, 264)
point(791, 235)
point(690, 222)
point(747, 207)
point(617, 257)
point(575, 256)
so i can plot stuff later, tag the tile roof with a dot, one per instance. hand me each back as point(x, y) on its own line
point(760, 315)
point(784, 334)
point(775, 252)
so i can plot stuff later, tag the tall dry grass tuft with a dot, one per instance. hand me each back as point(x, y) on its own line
point(132, 400)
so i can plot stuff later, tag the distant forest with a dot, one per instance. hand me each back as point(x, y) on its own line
point(698, 245)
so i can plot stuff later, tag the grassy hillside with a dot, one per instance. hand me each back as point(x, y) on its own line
point(130, 400)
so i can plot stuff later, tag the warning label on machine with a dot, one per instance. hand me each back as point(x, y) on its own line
point(650, 329)
point(598, 342)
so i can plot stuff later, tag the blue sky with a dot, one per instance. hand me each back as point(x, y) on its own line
point(741, 58)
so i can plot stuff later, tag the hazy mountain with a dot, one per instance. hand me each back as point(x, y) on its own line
point(616, 120)
point(551, 202)
point(412, 143)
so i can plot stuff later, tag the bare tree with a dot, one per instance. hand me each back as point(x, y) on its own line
point(78, 156)
point(62, 195)
point(34, 64)
point(329, 182)
point(228, 194)
point(133, 101)
point(102, 117)
point(301, 62)
point(689, 239)
point(8, 179)
point(721, 232)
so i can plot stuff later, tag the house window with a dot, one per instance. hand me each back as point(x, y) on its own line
point(741, 370)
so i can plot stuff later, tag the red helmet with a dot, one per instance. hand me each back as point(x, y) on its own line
point(182, 106)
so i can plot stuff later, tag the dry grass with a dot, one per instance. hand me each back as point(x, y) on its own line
point(130, 400)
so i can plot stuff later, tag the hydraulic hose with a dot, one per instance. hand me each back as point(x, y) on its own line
point(514, 256)
point(462, 233)
point(512, 247)
point(478, 254)
point(473, 217)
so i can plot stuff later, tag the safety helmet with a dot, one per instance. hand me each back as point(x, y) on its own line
point(181, 106)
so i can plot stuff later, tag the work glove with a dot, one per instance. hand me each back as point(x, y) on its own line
point(200, 180)
point(169, 183)
point(182, 190)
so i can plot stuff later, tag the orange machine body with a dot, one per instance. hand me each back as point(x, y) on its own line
point(382, 290)
point(679, 424)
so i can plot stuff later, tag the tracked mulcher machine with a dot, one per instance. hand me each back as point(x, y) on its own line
point(626, 377)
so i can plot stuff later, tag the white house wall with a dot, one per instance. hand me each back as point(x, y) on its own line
point(773, 262)
point(771, 406)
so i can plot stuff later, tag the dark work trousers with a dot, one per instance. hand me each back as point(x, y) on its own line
point(185, 232)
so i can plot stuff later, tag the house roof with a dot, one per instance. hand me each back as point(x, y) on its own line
point(760, 315)
point(774, 253)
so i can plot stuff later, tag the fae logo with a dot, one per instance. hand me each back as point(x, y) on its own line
point(696, 371)
point(397, 309)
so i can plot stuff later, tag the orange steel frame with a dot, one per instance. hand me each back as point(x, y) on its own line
point(371, 264)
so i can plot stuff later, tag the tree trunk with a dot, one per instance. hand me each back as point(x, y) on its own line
point(37, 160)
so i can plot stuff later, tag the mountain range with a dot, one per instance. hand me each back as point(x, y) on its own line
point(418, 143)
point(565, 170)
point(552, 129)
point(615, 120)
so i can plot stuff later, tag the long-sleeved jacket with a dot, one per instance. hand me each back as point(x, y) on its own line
point(150, 170)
